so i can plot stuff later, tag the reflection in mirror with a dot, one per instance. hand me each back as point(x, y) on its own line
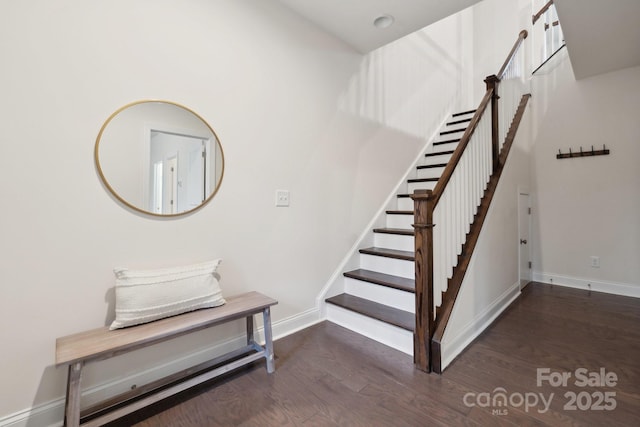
point(159, 158)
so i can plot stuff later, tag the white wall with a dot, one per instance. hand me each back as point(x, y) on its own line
point(590, 206)
point(271, 86)
point(496, 26)
point(414, 83)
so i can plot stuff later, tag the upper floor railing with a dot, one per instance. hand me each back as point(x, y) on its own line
point(547, 37)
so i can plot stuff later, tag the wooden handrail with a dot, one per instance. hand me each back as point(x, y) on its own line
point(523, 35)
point(462, 145)
point(466, 137)
point(541, 12)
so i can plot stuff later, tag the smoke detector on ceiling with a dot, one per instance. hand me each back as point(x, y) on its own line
point(383, 21)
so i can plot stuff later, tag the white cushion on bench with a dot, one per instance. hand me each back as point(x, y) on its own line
point(146, 295)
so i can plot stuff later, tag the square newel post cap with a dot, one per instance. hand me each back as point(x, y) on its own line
point(492, 81)
point(422, 195)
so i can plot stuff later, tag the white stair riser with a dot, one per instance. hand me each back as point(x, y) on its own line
point(400, 221)
point(381, 294)
point(392, 266)
point(412, 186)
point(443, 147)
point(394, 241)
point(390, 335)
point(405, 204)
point(430, 172)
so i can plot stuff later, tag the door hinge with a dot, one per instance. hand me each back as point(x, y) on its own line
point(529, 211)
point(529, 264)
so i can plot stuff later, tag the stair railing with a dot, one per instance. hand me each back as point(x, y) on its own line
point(541, 12)
point(547, 34)
point(443, 216)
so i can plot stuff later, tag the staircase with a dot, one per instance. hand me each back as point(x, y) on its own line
point(379, 297)
point(405, 287)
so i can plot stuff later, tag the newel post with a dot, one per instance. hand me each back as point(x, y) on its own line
point(492, 83)
point(423, 225)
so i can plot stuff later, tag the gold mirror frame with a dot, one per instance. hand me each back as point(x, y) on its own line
point(218, 148)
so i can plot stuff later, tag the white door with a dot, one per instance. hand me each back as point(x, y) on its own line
point(156, 190)
point(170, 187)
point(524, 226)
point(194, 193)
point(184, 183)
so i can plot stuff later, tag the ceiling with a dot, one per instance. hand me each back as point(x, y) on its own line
point(352, 20)
point(601, 36)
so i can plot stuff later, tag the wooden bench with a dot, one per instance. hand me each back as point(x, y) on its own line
point(98, 344)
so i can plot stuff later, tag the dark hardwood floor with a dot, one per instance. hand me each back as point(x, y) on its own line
point(329, 376)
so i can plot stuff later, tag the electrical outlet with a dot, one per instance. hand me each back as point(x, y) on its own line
point(282, 198)
point(595, 262)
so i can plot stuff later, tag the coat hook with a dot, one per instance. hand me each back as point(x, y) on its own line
point(582, 152)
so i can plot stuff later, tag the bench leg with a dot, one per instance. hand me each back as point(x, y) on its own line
point(72, 402)
point(268, 340)
point(250, 339)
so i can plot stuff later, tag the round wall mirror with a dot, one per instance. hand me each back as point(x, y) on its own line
point(159, 158)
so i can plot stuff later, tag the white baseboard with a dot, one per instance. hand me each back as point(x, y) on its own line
point(623, 289)
point(51, 413)
point(453, 346)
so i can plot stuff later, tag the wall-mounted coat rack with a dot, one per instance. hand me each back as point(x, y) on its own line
point(582, 153)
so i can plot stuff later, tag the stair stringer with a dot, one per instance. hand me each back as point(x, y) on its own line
point(335, 284)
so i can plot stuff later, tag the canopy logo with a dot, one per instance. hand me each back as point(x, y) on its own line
point(499, 400)
point(598, 400)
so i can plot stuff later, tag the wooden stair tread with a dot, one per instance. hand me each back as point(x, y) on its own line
point(463, 113)
point(449, 132)
point(457, 122)
point(396, 282)
point(436, 165)
point(389, 253)
point(439, 153)
point(399, 212)
point(400, 231)
point(423, 180)
point(393, 316)
point(449, 141)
